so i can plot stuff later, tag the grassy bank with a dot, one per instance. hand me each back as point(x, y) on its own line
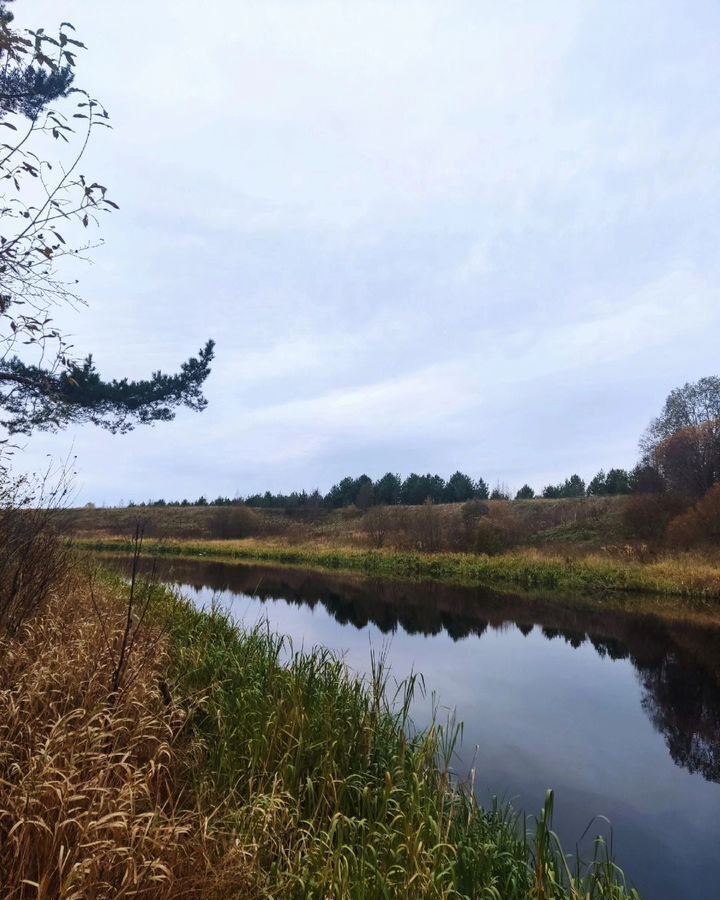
point(350, 803)
point(225, 765)
point(567, 526)
point(681, 576)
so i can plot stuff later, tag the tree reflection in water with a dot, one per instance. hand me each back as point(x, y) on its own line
point(677, 663)
point(684, 706)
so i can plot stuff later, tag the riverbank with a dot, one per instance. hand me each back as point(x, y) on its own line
point(681, 576)
point(210, 767)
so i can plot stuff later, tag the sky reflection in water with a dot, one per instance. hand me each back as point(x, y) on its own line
point(618, 712)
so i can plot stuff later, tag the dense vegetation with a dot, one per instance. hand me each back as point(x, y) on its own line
point(642, 527)
point(184, 757)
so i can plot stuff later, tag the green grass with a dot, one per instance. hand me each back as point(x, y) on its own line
point(682, 577)
point(566, 534)
point(333, 792)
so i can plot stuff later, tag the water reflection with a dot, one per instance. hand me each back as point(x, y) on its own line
point(618, 710)
point(677, 664)
point(683, 705)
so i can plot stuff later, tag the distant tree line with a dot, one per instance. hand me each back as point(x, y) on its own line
point(415, 490)
point(363, 492)
point(680, 458)
point(201, 501)
point(392, 490)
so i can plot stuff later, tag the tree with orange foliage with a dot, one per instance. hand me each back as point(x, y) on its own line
point(690, 405)
point(689, 459)
point(683, 443)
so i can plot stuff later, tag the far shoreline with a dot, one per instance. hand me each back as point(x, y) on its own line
point(592, 576)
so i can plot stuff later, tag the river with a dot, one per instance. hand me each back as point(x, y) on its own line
point(617, 711)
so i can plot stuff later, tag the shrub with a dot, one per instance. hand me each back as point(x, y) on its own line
point(699, 525)
point(377, 523)
point(33, 557)
point(427, 527)
point(474, 510)
point(510, 527)
point(467, 533)
point(482, 529)
point(234, 523)
point(33, 561)
point(487, 538)
point(647, 515)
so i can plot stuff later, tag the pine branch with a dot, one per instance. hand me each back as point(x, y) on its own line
point(39, 398)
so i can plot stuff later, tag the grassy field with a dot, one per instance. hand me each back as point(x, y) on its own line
point(168, 754)
point(560, 525)
point(681, 576)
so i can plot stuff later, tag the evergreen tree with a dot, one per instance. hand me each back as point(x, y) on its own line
point(618, 481)
point(413, 491)
point(574, 487)
point(388, 490)
point(525, 493)
point(36, 398)
point(500, 492)
point(345, 492)
point(482, 491)
point(365, 496)
point(28, 86)
point(435, 488)
point(598, 485)
point(459, 488)
point(416, 489)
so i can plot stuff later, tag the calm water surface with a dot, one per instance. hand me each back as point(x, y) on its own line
point(618, 712)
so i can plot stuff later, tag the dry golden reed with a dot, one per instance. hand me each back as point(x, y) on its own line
point(92, 802)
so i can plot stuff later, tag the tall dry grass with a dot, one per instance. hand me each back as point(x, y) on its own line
point(93, 801)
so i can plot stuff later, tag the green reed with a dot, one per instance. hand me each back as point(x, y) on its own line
point(333, 791)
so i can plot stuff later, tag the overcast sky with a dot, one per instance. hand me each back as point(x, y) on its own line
point(425, 236)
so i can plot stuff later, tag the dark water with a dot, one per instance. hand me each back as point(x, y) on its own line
point(619, 712)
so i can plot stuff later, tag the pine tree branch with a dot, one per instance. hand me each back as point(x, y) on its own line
point(46, 400)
